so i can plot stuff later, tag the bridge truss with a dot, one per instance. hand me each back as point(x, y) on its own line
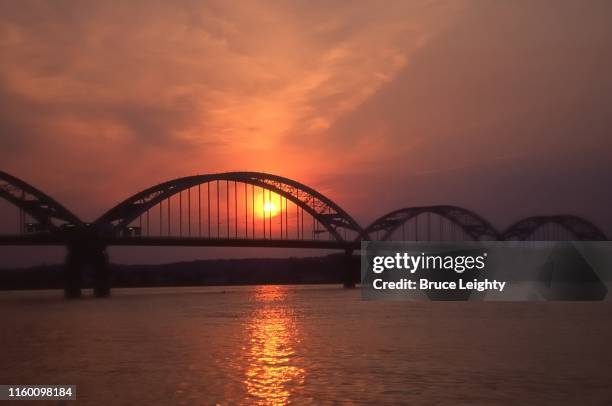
point(431, 223)
point(231, 205)
point(246, 209)
point(48, 214)
point(554, 228)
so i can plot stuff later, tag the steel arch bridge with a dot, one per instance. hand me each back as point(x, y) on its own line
point(49, 215)
point(576, 227)
point(468, 222)
point(244, 209)
point(231, 206)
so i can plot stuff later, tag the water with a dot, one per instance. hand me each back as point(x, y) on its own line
point(306, 345)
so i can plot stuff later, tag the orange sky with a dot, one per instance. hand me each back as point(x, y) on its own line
point(501, 107)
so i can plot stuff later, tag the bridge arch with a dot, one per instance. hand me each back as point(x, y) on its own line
point(472, 224)
point(45, 210)
point(327, 213)
point(578, 227)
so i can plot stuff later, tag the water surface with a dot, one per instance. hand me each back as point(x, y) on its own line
point(304, 344)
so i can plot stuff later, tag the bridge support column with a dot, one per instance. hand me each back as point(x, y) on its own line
point(347, 264)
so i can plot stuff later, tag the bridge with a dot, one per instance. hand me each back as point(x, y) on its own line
point(245, 209)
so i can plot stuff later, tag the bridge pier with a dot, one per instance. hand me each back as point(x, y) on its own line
point(349, 280)
point(86, 254)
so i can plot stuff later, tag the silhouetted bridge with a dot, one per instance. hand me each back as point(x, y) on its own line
point(246, 209)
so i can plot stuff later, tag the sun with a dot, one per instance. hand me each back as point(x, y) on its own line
point(270, 209)
point(267, 205)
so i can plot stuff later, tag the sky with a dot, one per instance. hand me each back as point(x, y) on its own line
point(501, 107)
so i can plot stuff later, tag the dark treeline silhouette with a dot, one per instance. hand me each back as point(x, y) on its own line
point(213, 272)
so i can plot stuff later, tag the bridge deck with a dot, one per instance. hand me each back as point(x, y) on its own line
point(46, 239)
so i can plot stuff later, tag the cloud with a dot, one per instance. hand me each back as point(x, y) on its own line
point(507, 112)
point(257, 67)
point(101, 99)
point(169, 89)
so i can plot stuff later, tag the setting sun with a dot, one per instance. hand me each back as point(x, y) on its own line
point(267, 204)
point(270, 209)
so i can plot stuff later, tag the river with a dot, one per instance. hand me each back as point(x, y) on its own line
point(273, 345)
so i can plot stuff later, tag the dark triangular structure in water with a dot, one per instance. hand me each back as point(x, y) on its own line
point(566, 275)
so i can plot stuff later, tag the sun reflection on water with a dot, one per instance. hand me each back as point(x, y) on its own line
point(272, 373)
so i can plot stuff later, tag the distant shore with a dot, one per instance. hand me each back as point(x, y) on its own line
point(211, 272)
